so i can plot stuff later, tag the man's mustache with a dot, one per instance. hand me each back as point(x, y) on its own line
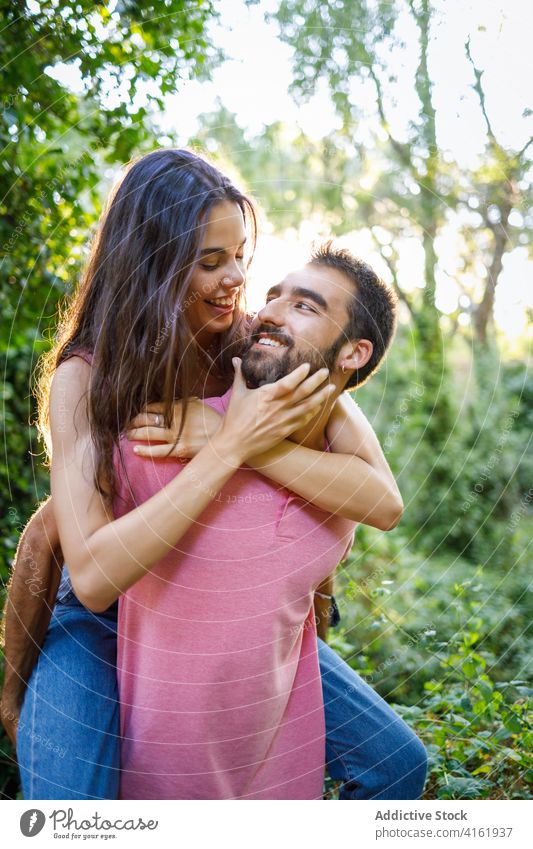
point(275, 333)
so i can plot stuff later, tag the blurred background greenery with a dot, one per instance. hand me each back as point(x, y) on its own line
point(399, 146)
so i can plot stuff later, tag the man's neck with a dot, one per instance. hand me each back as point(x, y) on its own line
point(313, 435)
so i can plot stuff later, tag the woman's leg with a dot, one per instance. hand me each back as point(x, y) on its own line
point(68, 734)
point(368, 746)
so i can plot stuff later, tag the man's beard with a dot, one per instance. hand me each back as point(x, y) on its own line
point(259, 366)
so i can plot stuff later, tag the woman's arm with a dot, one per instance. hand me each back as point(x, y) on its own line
point(106, 556)
point(353, 479)
point(30, 598)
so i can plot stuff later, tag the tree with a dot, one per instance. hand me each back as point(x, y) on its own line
point(358, 49)
point(293, 177)
point(363, 42)
point(56, 142)
point(503, 184)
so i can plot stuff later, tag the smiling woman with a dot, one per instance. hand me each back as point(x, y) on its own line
point(145, 274)
point(219, 275)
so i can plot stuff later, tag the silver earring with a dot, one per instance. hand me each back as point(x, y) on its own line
point(344, 369)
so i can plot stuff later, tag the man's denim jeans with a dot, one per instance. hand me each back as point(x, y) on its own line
point(368, 747)
point(68, 743)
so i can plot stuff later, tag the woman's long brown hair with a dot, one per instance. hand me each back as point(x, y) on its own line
point(129, 310)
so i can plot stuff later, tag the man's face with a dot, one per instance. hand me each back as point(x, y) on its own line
point(303, 321)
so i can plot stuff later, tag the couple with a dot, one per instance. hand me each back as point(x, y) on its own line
point(214, 561)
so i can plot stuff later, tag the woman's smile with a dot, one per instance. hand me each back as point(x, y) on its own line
point(222, 305)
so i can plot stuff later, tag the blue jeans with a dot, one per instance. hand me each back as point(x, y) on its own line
point(368, 747)
point(68, 743)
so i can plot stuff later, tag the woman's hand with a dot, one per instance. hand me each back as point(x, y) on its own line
point(201, 424)
point(257, 419)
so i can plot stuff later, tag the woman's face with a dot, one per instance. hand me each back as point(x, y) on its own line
point(218, 275)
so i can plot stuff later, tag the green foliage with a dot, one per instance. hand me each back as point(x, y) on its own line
point(479, 733)
point(481, 473)
point(293, 177)
point(437, 614)
point(56, 144)
point(450, 645)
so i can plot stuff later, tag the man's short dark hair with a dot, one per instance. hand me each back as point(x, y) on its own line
point(372, 310)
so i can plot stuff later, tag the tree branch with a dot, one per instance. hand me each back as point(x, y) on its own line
point(399, 291)
point(423, 83)
point(401, 149)
point(483, 310)
point(522, 150)
point(478, 88)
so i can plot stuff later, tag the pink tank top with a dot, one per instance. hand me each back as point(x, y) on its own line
point(220, 687)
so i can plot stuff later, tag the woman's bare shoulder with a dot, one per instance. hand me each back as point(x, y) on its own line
point(69, 387)
point(74, 364)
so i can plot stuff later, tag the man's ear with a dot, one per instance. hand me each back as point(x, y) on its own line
point(355, 355)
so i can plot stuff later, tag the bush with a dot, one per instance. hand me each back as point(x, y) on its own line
point(448, 644)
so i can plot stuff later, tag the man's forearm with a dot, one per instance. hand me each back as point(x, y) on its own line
point(31, 595)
